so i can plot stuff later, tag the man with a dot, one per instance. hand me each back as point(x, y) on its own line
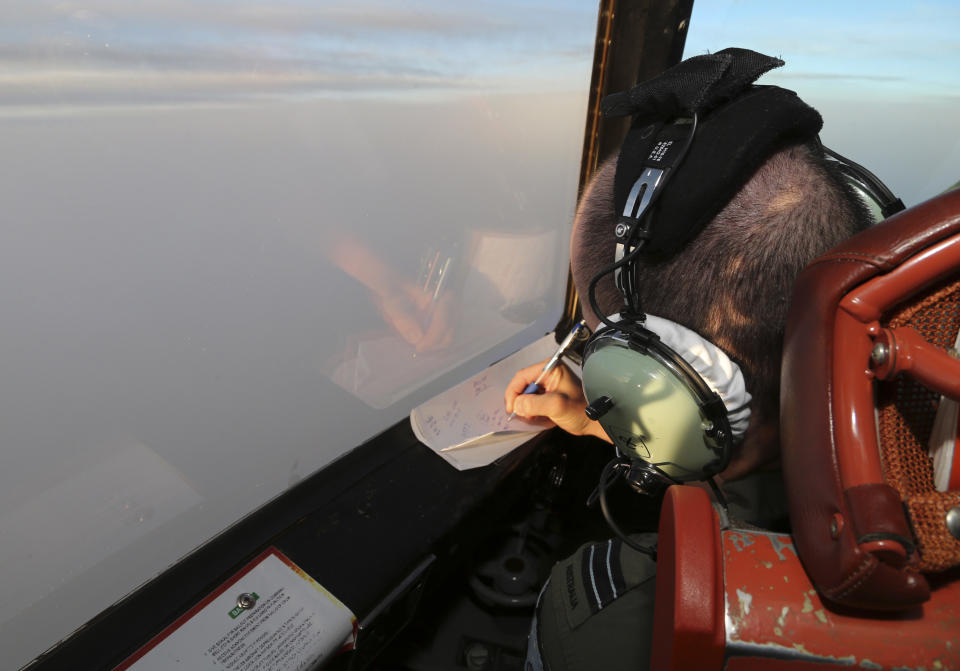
point(729, 281)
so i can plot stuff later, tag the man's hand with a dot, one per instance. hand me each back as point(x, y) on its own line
point(407, 308)
point(561, 404)
point(417, 318)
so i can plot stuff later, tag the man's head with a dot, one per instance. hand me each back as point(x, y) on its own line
point(732, 282)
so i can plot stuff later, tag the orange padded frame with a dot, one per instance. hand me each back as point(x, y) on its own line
point(848, 522)
point(774, 614)
point(857, 331)
point(688, 615)
point(740, 600)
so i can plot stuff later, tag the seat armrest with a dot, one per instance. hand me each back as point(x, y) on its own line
point(688, 630)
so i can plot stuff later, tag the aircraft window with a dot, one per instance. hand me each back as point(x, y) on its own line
point(240, 239)
point(885, 78)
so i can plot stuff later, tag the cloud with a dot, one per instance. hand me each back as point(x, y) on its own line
point(449, 21)
point(112, 88)
point(123, 53)
point(103, 60)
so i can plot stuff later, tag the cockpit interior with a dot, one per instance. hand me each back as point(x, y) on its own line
point(245, 242)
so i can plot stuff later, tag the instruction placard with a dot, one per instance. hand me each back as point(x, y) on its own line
point(271, 616)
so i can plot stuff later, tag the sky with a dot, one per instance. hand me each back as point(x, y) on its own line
point(886, 80)
point(895, 46)
point(115, 52)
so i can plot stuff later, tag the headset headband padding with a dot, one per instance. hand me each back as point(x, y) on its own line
point(739, 127)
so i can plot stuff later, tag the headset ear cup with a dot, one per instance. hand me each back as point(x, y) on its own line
point(649, 394)
point(721, 373)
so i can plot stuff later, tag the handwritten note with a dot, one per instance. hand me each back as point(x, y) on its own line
point(472, 413)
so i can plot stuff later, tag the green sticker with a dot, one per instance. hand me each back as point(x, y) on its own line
point(244, 602)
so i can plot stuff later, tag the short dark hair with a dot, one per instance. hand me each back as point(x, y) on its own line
point(732, 283)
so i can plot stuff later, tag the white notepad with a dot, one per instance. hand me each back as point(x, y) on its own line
point(469, 420)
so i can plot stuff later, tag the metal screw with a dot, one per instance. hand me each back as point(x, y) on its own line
point(246, 601)
point(880, 353)
point(836, 525)
point(953, 522)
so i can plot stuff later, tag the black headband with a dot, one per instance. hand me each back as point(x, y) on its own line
point(740, 125)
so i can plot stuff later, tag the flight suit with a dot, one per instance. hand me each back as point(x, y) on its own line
point(596, 610)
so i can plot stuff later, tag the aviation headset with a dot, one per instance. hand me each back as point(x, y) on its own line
point(673, 403)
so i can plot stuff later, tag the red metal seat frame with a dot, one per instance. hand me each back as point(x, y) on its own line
point(818, 597)
point(766, 614)
point(831, 460)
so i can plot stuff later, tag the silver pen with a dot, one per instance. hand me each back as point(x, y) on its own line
point(534, 386)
